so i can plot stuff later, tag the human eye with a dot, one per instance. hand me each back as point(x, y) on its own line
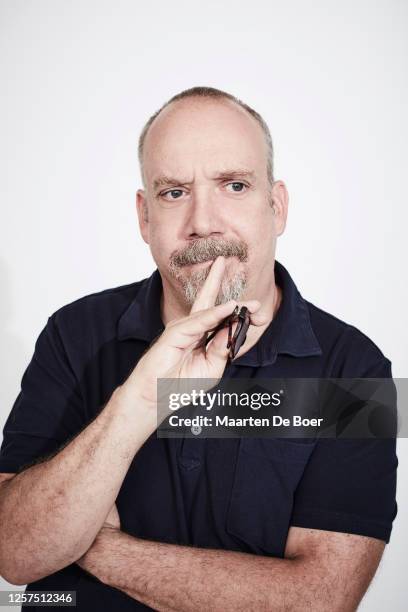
point(236, 187)
point(172, 194)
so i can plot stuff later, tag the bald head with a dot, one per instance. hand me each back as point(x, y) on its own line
point(196, 99)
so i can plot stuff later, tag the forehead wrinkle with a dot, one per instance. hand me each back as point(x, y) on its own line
point(164, 180)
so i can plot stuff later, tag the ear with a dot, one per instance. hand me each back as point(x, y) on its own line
point(142, 214)
point(280, 202)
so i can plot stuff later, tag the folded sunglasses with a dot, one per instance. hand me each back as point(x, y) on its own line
point(242, 318)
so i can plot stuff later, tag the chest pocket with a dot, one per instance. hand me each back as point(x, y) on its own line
point(266, 476)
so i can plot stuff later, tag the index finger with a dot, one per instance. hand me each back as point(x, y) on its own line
point(208, 293)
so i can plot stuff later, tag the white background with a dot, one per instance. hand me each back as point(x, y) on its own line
point(80, 78)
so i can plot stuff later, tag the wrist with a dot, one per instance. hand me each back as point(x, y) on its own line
point(128, 402)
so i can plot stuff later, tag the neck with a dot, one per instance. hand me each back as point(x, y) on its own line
point(270, 308)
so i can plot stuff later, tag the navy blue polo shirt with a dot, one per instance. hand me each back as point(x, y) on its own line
point(238, 494)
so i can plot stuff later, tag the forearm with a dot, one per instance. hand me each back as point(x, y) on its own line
point(51, 512)
point(178, 578)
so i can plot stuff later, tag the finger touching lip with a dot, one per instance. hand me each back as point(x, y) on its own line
point(207, 295)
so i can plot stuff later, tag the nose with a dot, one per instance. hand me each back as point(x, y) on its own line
point(204, 218)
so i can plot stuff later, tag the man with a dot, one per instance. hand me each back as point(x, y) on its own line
point(198, 524)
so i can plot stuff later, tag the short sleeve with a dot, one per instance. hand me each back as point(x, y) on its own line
point(349, 485)
point(48, 410)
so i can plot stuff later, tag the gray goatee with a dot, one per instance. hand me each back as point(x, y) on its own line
point(203, 250)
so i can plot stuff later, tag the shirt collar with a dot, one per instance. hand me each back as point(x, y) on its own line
point(290, 332)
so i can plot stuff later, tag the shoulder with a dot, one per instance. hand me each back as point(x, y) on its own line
point(348, 350)
point(93, 318)
point(113, 297)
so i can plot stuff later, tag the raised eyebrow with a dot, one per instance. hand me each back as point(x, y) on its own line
point(231, 174)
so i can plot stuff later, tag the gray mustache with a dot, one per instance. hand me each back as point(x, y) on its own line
point(200, 251)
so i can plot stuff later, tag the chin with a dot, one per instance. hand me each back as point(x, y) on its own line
point(232, 287)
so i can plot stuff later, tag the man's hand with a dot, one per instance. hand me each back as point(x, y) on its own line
point(178, 353)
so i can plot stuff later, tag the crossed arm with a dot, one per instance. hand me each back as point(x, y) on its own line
point(321, 571)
